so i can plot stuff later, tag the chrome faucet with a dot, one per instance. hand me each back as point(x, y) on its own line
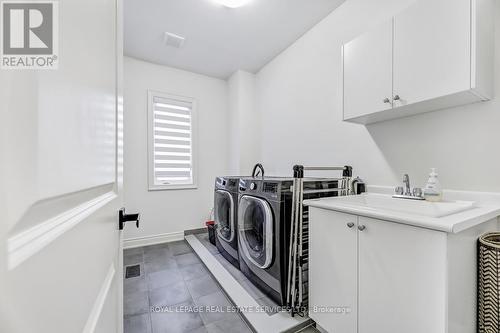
point(406, 192)
point(406, 182)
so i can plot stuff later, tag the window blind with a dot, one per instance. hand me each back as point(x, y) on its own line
point(172, 141)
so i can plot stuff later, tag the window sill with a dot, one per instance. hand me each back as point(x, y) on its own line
point(172, 187)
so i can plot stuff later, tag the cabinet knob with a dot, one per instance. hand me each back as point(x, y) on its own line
point(361, 227)
point(397, 98)
point(386, 100)
point(350, 225)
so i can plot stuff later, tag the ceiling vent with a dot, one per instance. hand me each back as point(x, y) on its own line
point(173, 40)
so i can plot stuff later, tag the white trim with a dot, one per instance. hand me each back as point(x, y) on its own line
point(26, 243)
point(95, 313)
point(259, 320)
point(173, 187)
point(153, 239)
point(150, 141)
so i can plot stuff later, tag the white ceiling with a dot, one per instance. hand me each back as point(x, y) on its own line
point(219, 40)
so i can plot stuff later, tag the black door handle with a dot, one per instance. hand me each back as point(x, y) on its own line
point(122, 218)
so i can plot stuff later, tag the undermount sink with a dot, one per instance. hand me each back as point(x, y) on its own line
point(414, 207)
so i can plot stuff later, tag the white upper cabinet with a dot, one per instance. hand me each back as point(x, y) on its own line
point(441, 56)
point(431, 50)
point(368, 72)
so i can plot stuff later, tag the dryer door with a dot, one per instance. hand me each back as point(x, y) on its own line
point(255, 230)
point(224, 215)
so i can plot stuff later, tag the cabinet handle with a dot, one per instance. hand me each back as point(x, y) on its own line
point(350, 225)
point(386, 100)
point(397, 98)
point(361, 227)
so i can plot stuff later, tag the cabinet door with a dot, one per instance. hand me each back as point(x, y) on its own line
point(333, 270)
point(402, 278)
point(368, 72)
point(432, 50)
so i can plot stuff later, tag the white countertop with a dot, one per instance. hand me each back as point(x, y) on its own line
point(487, 207)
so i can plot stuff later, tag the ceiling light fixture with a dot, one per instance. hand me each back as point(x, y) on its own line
point(232, 3)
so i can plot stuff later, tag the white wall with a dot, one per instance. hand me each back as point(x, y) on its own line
point(290, 112)
point(244, 123)
point(299, 98)
point(172, 210)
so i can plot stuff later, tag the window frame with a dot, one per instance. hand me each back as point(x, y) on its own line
point(150, 141)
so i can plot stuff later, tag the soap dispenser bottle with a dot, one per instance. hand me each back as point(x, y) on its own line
point(432, 190)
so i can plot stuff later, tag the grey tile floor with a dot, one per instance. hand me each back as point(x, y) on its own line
point(173, 277)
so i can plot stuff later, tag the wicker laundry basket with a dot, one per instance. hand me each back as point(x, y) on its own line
point(489, 283)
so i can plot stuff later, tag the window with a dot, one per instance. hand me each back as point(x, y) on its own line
point(171, 134)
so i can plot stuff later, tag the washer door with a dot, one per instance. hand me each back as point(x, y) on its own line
point(224, 214)
point(255, 230)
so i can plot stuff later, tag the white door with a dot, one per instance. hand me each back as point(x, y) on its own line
point(60, 263)
point(432, 44)
point(333, 270)
point(368, 72)
point(402, 278)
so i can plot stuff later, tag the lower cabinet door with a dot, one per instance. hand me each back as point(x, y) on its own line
point(333, 270)
point(402, 278)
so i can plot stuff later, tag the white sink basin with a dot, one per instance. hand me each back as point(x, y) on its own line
point(414, 207)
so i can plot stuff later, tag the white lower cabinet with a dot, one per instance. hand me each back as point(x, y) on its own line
point(373, 276)
point(333, 267)
point(401, 278)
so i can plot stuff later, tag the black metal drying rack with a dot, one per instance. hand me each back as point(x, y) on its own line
point(297, 283)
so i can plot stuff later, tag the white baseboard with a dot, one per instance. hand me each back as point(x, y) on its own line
point(153, 239)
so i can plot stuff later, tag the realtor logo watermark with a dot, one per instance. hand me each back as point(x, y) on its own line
point(29, 33)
